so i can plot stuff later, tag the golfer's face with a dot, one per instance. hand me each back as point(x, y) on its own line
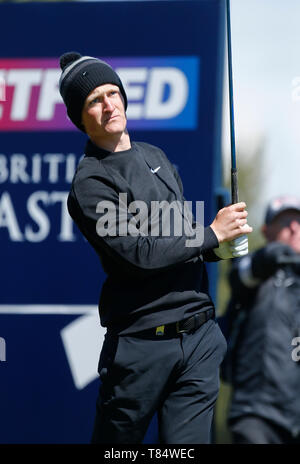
point(103, 114)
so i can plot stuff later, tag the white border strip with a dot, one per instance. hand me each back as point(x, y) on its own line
point(47, 309)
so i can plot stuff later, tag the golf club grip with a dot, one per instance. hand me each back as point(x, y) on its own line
point(234, 186)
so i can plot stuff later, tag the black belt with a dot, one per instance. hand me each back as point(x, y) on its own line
point(186, 325)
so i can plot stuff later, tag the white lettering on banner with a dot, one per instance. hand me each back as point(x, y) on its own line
point(154, 106)
point(2, 87)
point(145, 88)
point(134, 80)
point(71, 163)
point(8, 218)
point(37, 202)
point(51, 167)
point(36, 174)
point(18, 169)
point(4, 172)
point(53, 159)
point(49, 95)
point(66, 228)
point(39, 217)
point(23, 80)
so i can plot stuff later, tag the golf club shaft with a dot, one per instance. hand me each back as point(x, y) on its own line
point(234, 180)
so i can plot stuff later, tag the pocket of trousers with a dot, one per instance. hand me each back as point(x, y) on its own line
point(108, 353)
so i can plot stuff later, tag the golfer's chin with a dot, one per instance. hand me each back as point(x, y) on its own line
point(114, 126)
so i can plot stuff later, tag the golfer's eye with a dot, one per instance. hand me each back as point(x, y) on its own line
point(95, 100)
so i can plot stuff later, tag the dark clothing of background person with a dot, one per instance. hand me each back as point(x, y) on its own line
point(265, 318)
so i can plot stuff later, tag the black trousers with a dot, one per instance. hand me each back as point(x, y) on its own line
point(175, 376)
point(260, 431)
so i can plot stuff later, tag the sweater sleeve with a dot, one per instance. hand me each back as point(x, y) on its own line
point(210, 237)
point(97, 210)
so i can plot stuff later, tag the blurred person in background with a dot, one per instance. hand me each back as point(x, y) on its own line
point(263, 319)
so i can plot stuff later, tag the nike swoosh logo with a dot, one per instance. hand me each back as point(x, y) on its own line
point(155, 170)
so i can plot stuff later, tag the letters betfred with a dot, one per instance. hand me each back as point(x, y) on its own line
point(162, 93)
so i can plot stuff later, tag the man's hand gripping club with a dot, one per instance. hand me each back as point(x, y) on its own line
point(231, 229)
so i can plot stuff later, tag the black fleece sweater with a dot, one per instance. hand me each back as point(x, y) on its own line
point(151, 280)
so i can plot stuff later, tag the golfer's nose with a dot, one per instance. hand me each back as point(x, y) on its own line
point(108, 106)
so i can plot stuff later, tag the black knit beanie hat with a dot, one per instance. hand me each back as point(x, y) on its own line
point(80, 75)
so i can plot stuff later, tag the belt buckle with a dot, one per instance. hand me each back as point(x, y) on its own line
point(178, 330)
point(160, 330)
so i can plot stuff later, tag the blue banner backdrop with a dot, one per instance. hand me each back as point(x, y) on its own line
point(170, 57)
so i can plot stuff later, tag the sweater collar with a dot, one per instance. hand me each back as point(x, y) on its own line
point(92, 150)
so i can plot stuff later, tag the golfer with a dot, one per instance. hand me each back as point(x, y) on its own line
point(163, 347)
